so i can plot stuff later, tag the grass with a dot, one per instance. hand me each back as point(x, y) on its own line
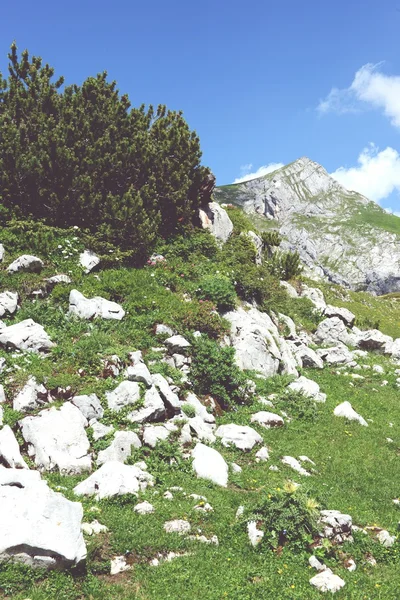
point(357, 469)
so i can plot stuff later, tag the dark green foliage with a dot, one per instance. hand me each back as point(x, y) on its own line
point(238, 250)
point(191, 242)
point(367, 323)
point(287, 516)
point(214, 372)
point(297, 405)
point(285, 265)
point(239, 219)
point(270, 238)
point(202, 316)
point(217, 289)
point(82, 156)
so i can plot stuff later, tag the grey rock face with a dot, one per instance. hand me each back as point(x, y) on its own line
point(127, 392)
point(38, 527)
point(120, 448)
point(89, 406)
point(26, 335)
point(8, 303)
point(90, 308)
point(153, 408)
point(58, 439)
point(214, 218)
point(26, 262)
point(336, 231)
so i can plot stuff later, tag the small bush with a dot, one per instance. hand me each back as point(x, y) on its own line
point(285, 265)
point(240, 220)
point(189, 410)
point(297, 405)
point(202, 316)
point(287, 516)
point(215, 372)
point(270, 238)
point(218, 290)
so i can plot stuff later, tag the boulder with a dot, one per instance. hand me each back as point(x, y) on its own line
point(308, 388)
point(242, 437)
point(214, 218)
point(170, 399)
point(209, 464)
point(88, 260)
point(331, 331)
point(315, 295)
point(140, 373)
point(58, 439)
point(120, 448)
point(336, 526)
point(199, 408)
point(373, 340)
point(99, 430)
point(90, 308)
point(10, 455)
point(164, 330)
point(337, 355)
point(267, 419)
point(202, 430)
point(32, 395)
point(126, 393)
point(89, 405)
point(26, 262)
point(294, 464)
point(347, 411)
point(307, 357)
point(153, 408)
point(114, 479)
point(38, 527)
point(327, 581)
point(26, 335)
point(152, 434)
point(8, 303)
point(290, 290)
point(342, 313)
point(177, 344)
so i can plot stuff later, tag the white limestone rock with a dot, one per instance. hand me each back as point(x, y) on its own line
point(119, 565)
point(262, 455)
point(294, 464)
point(164, 330)
point(120, 448)
point(153, 408)
point(308, 388)
point(91, 308)
point(152, 434)
point(10, 454)
point(93, 528)
point(199, 408)
point(8, 303)
point(114, 479)
point(58, 439)
point(26, 262)
point(337, 355)
point(170, 399)
point(267, 419)
point(31, 396)
point(209, 464)
point(88, 260)
point(242, 437)
point(336, 526)
point(38, 527)
point(89, 405)
point(26, 335)
point(202, 430)
point(307, 357)
point(179, 526)
point(316, 297)
point(342, 313)
point(254, 534)
point(144, 508)
point(258, 244)
point(333, 330)
point(326, 581)
point(58, 279)
point(140, 373)
point(373, 340)
point(385, 538)
point(347, 411)
point(290, 290)
point(99, 430)
point(214, 218)
point(126, 393)
point(177, 344)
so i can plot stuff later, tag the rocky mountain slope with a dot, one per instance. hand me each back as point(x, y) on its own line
point(340, 234)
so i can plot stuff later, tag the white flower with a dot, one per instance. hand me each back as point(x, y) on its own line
point(75, 227)
point(59, 246)
point(152, 275)
point(111, 251)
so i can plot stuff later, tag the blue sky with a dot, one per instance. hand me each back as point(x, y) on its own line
point(254, 78)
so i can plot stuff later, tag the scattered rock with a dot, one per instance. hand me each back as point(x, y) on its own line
point(338, 355)
point(164, 330)
point(32, 395)
point(100, 430)
point(170, 399)
point(93, 528)
point(179, 526)
point(8, 303)
point(139, 373)
point(38, 527)
point(199, 408)
point(51, 281)
point(242, 437)
point(209, 464)
point(120, 448)
point(114, 479)
point(152, 434)
point(337, 526)
point(294, 464)
point(347, 411)
point(177, 344)
point(326, 581)
point(262, 455)
point(333, 330)
point(26, 335)
point(10, 455)
point(203, 431)
point(89, 406)
point(291, 291)
point(90, 308)
point(153, 408)
point(126, 393)
point(144, 508)
point(267, 419)
point(308, 357)
point(26, 262)
point(119, 565)
point(255, 535)
point(372, 340)
point(58, 439)
point(385, 538)
point(88, 260)
point(308, 388)
point(342, 313)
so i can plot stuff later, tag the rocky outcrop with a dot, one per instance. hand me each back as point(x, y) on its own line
point(90, 308)
point(336, 231)
point(26, 335)
point(214, 218)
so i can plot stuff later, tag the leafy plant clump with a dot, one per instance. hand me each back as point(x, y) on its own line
point(215, 372)
point(287, 516)
point(217, 289)
point(81, 156)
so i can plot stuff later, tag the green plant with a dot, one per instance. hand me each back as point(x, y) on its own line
point(200, 315)
point(270, 238)
point(218, 290)
point(215, 372)
point(287, 516)
point(297, 405)
point(285, 265)
point(189, 410)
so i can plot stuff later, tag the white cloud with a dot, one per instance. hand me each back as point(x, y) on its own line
point(369, 86)
point(376, 176)
point(264, 170)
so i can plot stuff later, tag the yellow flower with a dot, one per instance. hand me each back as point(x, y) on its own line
point(292, 586)
point(312, 504)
